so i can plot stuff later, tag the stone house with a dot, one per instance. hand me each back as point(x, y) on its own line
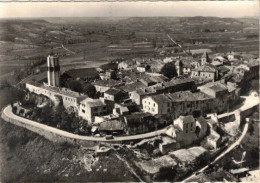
point(206, 71)
point(69, 99)
point(109, 74)
point(114, 95)
point(89, 108)
point(138, 123)
point(111, 127)
point(104, 85)
point(179, 103)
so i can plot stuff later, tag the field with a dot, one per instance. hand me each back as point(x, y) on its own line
point(104, 39)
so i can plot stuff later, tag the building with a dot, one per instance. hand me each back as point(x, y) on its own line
point(70, 99)
point(221, 94)
point(89, 108)
point(114, 95)
point(53, 70)
point(205, 58)
point(104, 85)
point(109, 74)
point(111, 127)
point(138, 123)
point(179, 103)
point(125, 65)
point(142, 67)
point(176, 85)
point(206, 71)
point(138, 94)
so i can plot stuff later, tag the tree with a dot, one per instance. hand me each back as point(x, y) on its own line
point(75, 85)
point(90, 90)
point(169, 70)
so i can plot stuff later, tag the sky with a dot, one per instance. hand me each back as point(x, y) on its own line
point(129, 9)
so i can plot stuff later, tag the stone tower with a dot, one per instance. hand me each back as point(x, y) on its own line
point(53, 70)
point(204, 58)
point(179, 67)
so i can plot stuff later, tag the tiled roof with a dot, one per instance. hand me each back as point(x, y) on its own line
point(187, 119)
point(112, 91)
point(207, 68)
point(107, 83)
point(112, 125)
point(92, 102)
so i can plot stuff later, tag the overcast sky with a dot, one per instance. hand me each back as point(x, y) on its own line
point(125, 9)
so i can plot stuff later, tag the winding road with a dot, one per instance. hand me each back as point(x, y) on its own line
point(7, 111)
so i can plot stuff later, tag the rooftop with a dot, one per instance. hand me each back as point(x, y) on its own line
point(187, 119)
point(216, 86)
point(92, 102)
point(112, 91)
point(112, 125)
point(108, 83)
point(207, 68)
point(58, 90)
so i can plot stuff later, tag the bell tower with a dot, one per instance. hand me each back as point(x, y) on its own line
point(53, 70)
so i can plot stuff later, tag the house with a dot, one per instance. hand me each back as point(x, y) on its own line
point(234, 56)
point(213, 140)
point(111, 127)
point(120, 109)
point(109, 74)
point(138, 123)
point(223, 70)
point(138, 94)
point(185, 129)
point(69, 98)
point(147, 81)
point(186, 68)
point(176, 85)
point(142, 67)
point(89, 108)
point(179, 103)
point(125, 65)
point(104, 85)
point(220, 92)
point(114, 95)
point(206, 71)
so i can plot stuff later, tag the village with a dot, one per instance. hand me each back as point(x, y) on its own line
point(181, 96)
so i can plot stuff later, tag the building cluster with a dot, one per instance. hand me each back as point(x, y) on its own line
point(138, 97)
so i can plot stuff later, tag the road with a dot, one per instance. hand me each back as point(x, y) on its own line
point(8, 112)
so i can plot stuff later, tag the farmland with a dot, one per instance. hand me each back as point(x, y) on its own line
point(93, 41)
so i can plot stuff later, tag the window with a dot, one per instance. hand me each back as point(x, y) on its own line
point(83, 110)
point(154, 105)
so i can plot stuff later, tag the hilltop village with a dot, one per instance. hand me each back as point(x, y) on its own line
point(182, 95)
